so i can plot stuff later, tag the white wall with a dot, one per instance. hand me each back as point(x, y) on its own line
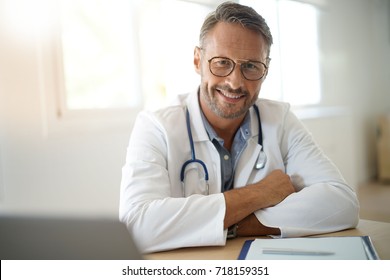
point(61, 166)
point(49, 166)
point(355, 39)
point(72, 169)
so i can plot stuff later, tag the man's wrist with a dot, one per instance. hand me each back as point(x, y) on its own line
point(232, 231)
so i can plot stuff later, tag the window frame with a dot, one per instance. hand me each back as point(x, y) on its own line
point(58, 120)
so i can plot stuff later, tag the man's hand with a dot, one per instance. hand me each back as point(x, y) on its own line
point(270, 191)
point(277, 186)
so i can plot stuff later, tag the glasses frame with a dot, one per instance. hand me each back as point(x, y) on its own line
point(241, 62)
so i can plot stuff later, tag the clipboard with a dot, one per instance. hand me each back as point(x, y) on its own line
point(310, 248)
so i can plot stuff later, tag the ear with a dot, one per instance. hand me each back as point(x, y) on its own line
point(197, 60)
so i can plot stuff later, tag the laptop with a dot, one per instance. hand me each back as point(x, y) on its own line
point(55, 238)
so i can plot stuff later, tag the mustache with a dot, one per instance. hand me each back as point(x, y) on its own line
point(227, 88)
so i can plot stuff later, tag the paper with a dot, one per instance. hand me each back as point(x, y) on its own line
point(336, 248)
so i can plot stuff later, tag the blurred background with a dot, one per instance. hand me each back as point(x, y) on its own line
point(74, 74)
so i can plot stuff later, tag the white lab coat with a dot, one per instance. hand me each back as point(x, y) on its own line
point(160, 218)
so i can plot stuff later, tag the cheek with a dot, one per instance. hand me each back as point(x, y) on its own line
point(256, 88)
point(207, 78)
point(205, 72)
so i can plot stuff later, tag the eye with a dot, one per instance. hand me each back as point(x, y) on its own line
point(222, 62)
point(251, 66)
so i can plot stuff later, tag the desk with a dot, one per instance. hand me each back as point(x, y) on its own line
point(378, 231)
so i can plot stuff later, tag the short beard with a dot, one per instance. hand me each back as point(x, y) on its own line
point(209, 98)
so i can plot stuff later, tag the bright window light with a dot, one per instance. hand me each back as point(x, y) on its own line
point(294, 74)
point(124, 53)
point(100, 66)
point(169, 32)
point(299, 53)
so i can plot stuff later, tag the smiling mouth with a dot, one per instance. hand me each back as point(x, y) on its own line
point(230, 95)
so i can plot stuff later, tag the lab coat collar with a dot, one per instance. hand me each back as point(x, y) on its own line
point(250, 155)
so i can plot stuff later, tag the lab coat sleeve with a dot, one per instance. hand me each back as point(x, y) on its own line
point(323, 202)
point(157, 220)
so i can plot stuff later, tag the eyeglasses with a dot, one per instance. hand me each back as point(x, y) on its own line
point(251, 70)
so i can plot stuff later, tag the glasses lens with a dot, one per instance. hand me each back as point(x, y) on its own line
point(221, 67)
point(253, 70)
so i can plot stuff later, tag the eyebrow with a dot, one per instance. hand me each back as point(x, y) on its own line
point(240, 59)
point(203, 49)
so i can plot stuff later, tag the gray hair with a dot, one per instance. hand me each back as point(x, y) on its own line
point(231, 12)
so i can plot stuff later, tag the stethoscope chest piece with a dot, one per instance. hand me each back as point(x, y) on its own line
point(261, 160)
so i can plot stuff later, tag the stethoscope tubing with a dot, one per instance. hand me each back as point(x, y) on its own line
point(193, 156)
point(259, 165)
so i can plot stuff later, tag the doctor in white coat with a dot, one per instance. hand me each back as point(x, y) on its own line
point(248, 174)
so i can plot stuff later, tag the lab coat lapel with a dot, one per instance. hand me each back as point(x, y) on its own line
point(246, 163)
point(248, 159)
point(198, 131)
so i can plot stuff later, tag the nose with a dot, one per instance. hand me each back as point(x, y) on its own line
point(235, 79)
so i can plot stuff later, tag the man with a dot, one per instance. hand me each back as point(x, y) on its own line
point(248, 174)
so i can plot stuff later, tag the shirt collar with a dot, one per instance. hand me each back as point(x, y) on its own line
point(245, 128)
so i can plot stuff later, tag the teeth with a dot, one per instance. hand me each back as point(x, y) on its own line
point(229, 95)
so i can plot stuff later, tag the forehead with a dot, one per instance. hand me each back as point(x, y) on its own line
point(235, 41)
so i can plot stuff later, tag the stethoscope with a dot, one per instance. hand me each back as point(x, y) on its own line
point(260, 163)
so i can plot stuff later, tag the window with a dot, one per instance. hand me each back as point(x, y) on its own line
point(133, 54)
point(125, 53)
point(294, 74)
point(99, 54)
point(299, 53)
point(169, 32)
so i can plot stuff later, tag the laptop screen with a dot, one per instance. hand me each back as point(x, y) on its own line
point(50, 238)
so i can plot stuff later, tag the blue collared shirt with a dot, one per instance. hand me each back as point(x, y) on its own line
point(229, 159)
